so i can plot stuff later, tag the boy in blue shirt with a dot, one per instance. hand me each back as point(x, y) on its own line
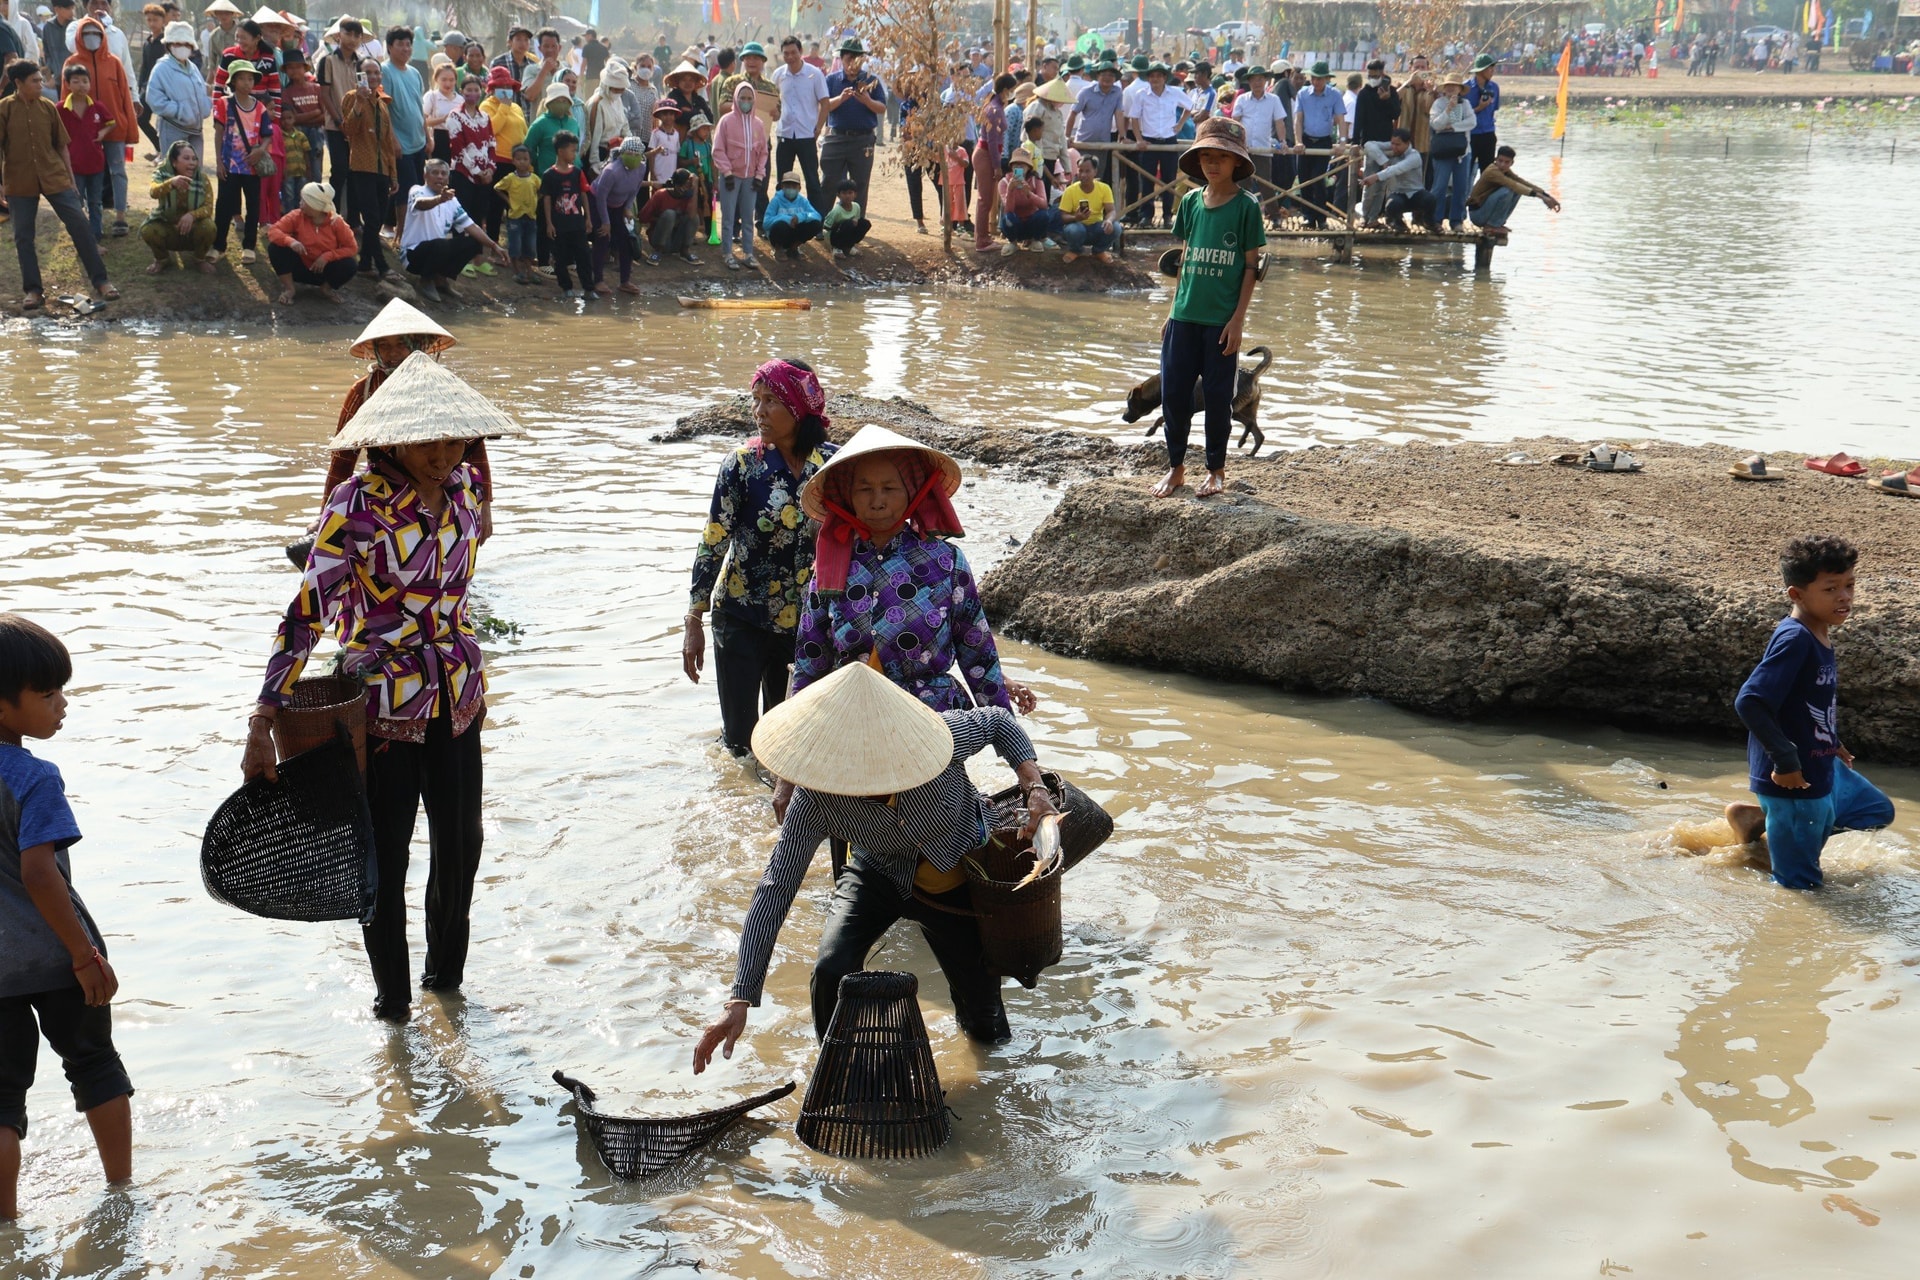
point(53, 965)
point(1801, 773)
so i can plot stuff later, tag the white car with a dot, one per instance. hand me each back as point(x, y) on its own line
point(1236, 33)
point(1754, 35)
point(1113, 32)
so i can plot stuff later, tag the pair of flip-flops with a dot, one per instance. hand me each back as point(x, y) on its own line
point(1602, 457)
point(1839, 464)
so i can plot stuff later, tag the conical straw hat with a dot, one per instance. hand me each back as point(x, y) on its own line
point(855, 733)
point(401, 320)
point(420, 402)
point(873, 439)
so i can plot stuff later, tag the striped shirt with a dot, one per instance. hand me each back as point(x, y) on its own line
point(941, 821)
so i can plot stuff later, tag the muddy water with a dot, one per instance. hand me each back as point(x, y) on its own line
point(1351, 993)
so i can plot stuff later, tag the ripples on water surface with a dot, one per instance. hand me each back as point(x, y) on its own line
point(1351, 992)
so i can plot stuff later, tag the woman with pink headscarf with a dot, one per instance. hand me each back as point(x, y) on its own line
point(755, 559)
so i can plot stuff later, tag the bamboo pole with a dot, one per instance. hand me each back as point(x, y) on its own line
point(746, 304)
point(1002, 33)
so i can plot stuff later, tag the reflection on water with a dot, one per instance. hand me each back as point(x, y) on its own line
point(1349, 990)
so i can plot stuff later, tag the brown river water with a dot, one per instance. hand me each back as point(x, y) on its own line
point(1350, 993)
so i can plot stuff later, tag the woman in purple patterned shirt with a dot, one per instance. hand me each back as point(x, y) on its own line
point(390, 568)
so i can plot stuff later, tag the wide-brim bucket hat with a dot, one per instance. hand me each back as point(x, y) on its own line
point(179, 33)
point(854, 47)
point(1218, 134)
point(1485, 62)
point(1320, 70)
point(421, 402)
point(855, 733)
point(866, 441)
point(401, 320)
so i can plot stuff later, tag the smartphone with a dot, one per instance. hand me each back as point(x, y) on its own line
point(361, 77)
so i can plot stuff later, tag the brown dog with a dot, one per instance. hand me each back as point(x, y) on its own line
point(1145, 398)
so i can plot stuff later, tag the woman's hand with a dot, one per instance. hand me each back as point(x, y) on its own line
point(1039, 805)
point(1023, 698)
point(258, 759)
point(185, 225)
point(782, 797)
point(725, 1031)
point(693, 648)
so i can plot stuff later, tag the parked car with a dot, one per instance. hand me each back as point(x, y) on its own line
point(1113, 32)
point(1595, 30)
point(1754, 35)
point(1236, 33)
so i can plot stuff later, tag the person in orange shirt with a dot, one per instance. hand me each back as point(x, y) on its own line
point(312, 245)
point(112, 91)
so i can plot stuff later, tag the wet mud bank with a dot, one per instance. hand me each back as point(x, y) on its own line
point(1433, 578)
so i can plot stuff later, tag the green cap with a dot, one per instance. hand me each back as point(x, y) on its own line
point(1255, 70)
point(852, 45)
point(1139, 62)
point(1161, 67)
point(1320, 70)
point(753, 49)
point(1485, 62)
point(1076, 62)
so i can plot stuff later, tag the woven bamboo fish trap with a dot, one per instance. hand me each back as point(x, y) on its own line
point(1019, 927)
point(634, 1147)
point(300, 848)
point(875, 1093)
point(1084, 825)
point(318, 708)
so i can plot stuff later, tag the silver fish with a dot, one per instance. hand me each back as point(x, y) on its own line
point(1046, 850)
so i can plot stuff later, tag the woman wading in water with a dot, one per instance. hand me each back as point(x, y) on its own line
point(757, 551)
point(398, 602)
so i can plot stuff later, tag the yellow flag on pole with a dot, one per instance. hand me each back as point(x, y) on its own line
point(1560, 98)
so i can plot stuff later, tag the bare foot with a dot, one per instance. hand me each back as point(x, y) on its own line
point(286, 296)
point(326, 291)
point(1749, 822)
point(1215, 482)
point(1169, 483)
point(155, 268)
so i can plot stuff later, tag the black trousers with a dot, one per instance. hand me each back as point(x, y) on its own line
point(785, 235)
point(1418, 203)
point(750, 672)
point(1484, 146)
point(572, 249)
point(1189, 353)
point(444, 258)
point(366, 208)
point(336, 274)
point(81, 1034)
point(804, 152)
point(865, 905)
point(227, 205)
point(339, 168)
point(1165, 167)
point(845, 235)
point(444, 773)
point(1316, 194)
point(914, 194)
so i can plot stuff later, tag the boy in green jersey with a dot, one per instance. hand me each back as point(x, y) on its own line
point(1221, 227)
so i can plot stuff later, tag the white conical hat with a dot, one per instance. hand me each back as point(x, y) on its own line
point(873, 439)
point(855, 733)
point(420, 402)
point(401, 320)
point(268, 17)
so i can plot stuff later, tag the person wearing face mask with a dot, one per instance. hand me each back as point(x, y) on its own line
point(177, 91)
point(1376, 107)
point(501, 107)
point(1025, 218)
point(108, 75)
point(620, 183)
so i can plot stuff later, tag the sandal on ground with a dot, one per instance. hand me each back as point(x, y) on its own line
point(1838, 464)
point(1602, 457)
point(33, 302)
point(108, 293)
point(1522, 460)
point(1753, 468)
point(1900, 484)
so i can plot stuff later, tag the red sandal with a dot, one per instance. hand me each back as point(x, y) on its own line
point(1837, 465)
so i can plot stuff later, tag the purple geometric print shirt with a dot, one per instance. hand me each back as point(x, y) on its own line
point(917, 604)
point(394, 581)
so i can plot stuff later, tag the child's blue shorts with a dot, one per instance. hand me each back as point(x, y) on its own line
point(521, 234)
point(1797, 830)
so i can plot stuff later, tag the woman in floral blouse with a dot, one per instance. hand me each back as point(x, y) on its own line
point(398, 603)
point(756, 557)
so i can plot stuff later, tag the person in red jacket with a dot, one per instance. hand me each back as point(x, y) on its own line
point(111, 90)
point(312, 245)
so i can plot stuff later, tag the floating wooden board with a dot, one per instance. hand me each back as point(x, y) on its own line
point(747, 304)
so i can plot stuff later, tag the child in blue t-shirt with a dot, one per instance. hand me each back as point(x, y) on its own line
point(1801, 773)
point(54, 963)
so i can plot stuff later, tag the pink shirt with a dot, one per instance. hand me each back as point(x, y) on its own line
point(740, 146)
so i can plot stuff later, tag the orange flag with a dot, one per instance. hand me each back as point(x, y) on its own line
point(1679, 16)
point(1560, 98)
